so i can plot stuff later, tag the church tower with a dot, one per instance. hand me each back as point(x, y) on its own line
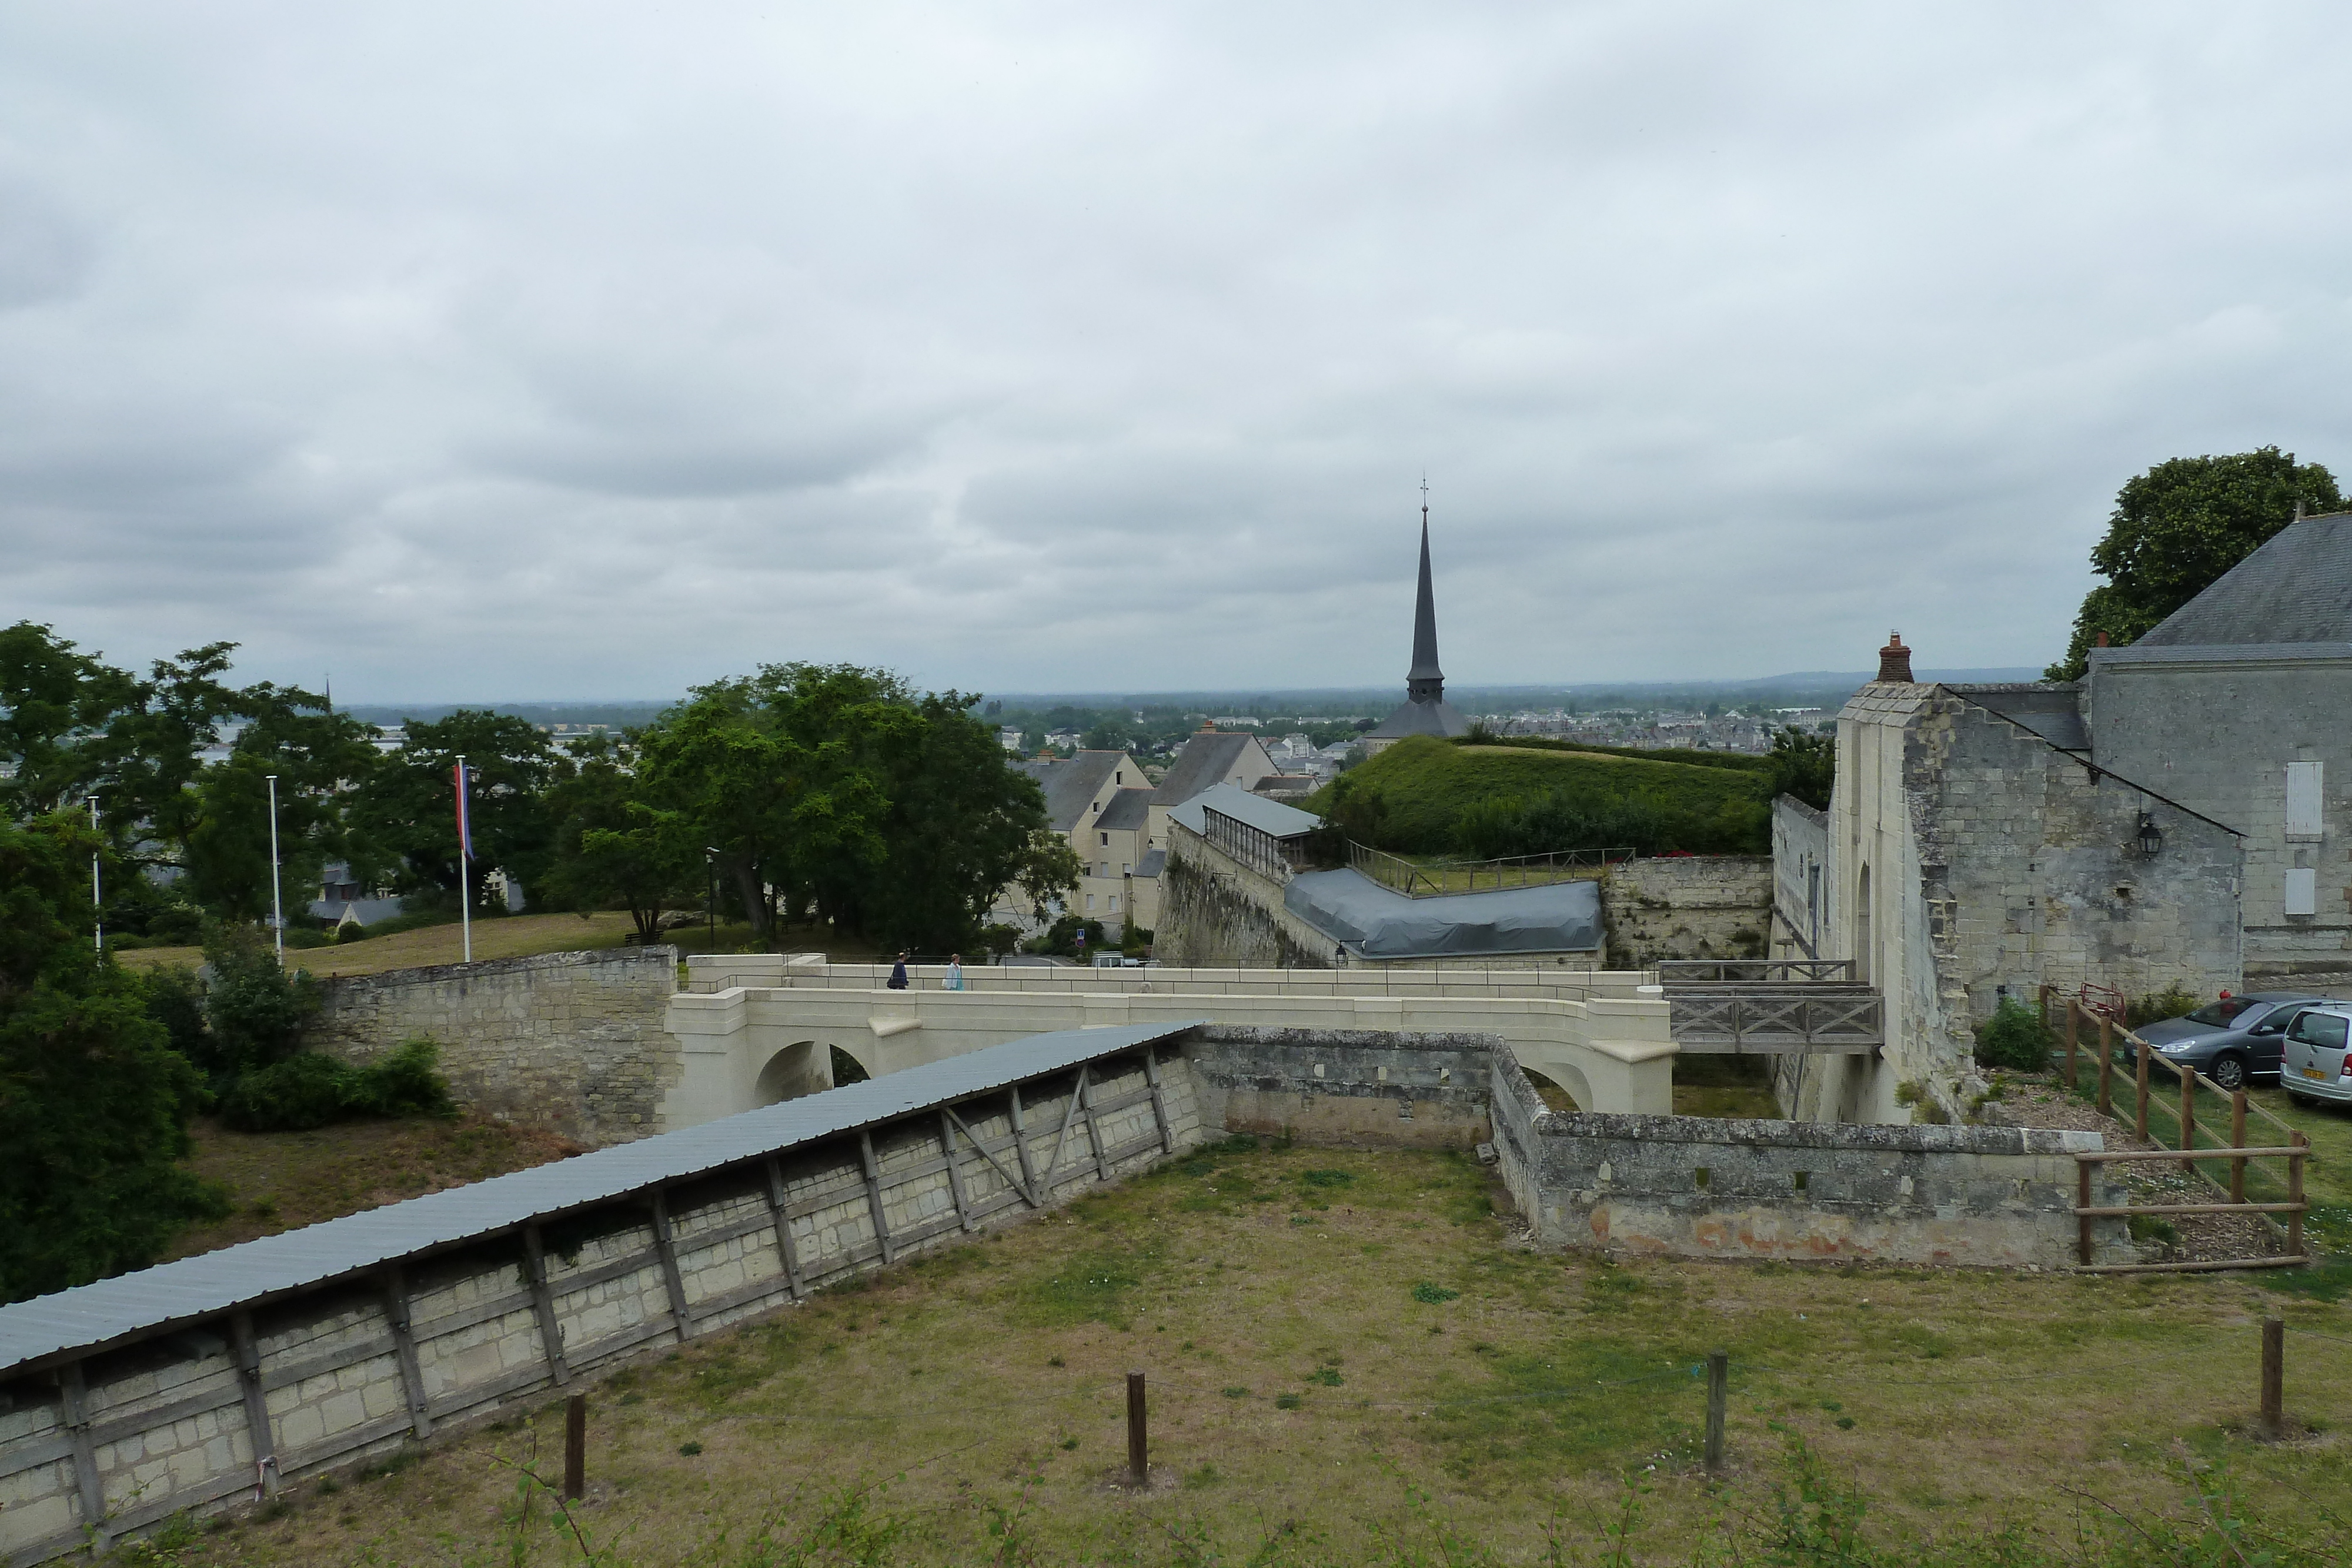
point(1424, 710)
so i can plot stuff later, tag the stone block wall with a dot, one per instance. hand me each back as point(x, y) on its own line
point(1801, 883)
point(1688, 906)
point(572, 1042)
point(1362, 1088)
point(1696, 1187)
point(1218, 913)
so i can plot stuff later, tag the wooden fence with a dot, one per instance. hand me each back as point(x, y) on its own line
point(2169, 1115)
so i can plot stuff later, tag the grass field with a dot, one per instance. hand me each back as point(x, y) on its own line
point(1351, 1360)
point(279, 1181)
point(509, 937)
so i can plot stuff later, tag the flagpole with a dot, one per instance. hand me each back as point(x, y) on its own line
point(277, 903)
point(465, 858)
point(97, 908)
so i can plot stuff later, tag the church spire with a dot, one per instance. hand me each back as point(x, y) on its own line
point(1425, 682)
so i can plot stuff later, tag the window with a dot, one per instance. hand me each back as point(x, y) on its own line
point(1125, 869)
point(1105, 838)
point(2320, 1029)
point(1118, 778)
point(1114, 902)
point(2303, 801)
point(2223, 1011)
point(1090, 901)
point(2301, 891)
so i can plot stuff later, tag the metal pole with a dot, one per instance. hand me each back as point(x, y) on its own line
point(1137, 1458)
point(575, 1447)
point(465, 865)
point(277, 903)
point(97, 909)
point(1718, 1366)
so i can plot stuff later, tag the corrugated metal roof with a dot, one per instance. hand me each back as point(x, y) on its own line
point(135, 1305)
point(1257, 811)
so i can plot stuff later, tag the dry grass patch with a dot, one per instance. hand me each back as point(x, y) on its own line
point(1347, 1352)
point(281, 1181)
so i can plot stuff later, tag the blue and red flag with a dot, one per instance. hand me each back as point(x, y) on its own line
point(464, 819)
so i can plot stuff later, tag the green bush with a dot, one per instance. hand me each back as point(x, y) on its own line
point(2015, 1038)
point(2168, 1003)
point(1062, 937)
point(310, 1090)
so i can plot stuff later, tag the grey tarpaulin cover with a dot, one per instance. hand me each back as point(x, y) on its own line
point(1376, 923)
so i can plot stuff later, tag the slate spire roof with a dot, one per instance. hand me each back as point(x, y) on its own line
point(1424, 710)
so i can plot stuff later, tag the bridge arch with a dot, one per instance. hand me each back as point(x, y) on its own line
point(798, 1069)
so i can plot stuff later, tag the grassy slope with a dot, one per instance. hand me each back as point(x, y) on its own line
point(1426, 783)
point(508, 936)
point(279, 1181)
point(1300, 1390)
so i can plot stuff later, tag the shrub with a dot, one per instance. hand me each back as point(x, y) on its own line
point(309, 1089)
point(2015, 1038)
point(2168, 1003)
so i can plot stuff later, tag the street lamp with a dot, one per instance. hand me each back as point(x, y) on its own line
point(711, 904)
point(2149, 841)
point(277, 904)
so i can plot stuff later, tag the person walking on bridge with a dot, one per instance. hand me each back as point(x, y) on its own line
point(898, 981)
point(954, 980)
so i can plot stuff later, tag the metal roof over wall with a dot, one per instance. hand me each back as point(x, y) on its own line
point(150, 1300)
point(1376, 922)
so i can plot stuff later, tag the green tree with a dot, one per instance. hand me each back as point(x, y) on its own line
point(1804, 765)
point(611, 851)
point(2178, 527)
point(94, 1103)
point(407, 812)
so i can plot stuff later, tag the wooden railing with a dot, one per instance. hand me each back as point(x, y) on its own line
point(1815, 1020)
point(2151, 1111)
point(1695, 971)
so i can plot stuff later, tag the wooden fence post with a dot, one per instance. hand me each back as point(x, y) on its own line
point(2295, 1195)
point(575, 1447)
point(1718, 1366)
point(2237, 1141)
point(2082, 1201)
point(2275, 1376)
point(2106, 1067)
point(2188, 1113)
point(2139, 1120)
point(2070, 1033)
point(1137, 1455)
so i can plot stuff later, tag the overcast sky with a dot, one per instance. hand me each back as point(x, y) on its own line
point(590, 350)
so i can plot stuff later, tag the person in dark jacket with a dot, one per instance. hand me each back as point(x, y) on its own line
point(899, 973)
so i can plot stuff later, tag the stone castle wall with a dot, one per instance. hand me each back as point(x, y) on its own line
point(572, 1042)
point(1688, 906)
point(1218, 913)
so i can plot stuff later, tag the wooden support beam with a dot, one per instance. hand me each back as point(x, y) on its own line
point(87, 1484)
point(673, 1283)
point(1069, 1114)
point(2295, 1195)
point(1021, 1147)
point(2106, 1067)
point(542, 1305)
point(1020, 1184)
point(874, 1196)
point(256, 1405)
point(955, 1170)
point(2187, 1112)
point(404, 1347)
point(1095, 1140)
point(2139, 1117)
point(2071, 1046)
point(2237, 1141)
point(785, 1247)
point(1158, 1100)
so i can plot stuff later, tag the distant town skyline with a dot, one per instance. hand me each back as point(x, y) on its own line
point(1027, 350)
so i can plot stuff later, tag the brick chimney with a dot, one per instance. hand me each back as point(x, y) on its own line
point(1894, 660)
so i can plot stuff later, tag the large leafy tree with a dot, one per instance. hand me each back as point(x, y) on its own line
point(611, 852)
point(319, 758)
point(93, 1101)
point(2178, 527)
point(406, 812)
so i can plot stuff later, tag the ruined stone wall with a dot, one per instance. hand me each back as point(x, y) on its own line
point(1801, 884)
point(1362, 1088)
point(1686, 906)
point(572, 1042)
point(1218, 913)
point(1696, 1187)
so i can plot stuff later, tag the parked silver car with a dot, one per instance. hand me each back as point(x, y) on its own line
point(2318, 1062)
point(2234, 1039)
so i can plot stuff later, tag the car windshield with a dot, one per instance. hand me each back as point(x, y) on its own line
point(2223, 1011)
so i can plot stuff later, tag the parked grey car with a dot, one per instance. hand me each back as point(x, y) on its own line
point(2233, 1040)
point(2319, 1056)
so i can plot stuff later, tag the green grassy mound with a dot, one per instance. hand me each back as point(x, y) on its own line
point(1428, 797)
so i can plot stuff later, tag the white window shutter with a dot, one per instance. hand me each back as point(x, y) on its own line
point(2303, 890)
point(2302, 780)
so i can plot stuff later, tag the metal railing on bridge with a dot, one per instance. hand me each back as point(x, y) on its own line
point(1832, 1020)
point(1438, 879)
point(1751, 971)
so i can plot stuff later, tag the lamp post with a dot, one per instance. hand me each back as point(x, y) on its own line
point(97, 909)
point(277, 903)
point(710, 905)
